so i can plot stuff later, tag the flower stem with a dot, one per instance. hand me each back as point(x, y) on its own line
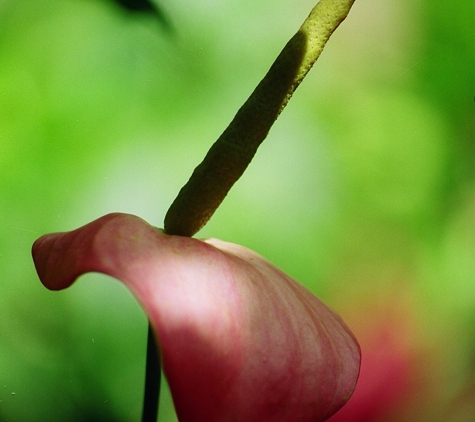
point(230, 155)
point(152, 379)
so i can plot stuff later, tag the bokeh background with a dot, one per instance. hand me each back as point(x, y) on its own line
point(364, 190)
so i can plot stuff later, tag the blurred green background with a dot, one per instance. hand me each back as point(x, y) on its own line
point(364, 190)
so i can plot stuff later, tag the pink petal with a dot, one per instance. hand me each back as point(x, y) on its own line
point(390, 380)
point(240, 340)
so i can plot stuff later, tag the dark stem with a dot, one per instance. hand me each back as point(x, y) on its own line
point(152, 379)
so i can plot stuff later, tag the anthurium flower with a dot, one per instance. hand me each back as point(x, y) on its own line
point(240, 340)
point(392, 375)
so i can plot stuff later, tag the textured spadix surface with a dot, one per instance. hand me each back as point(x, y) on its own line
point(240, 340)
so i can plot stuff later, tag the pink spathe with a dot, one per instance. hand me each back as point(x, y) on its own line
point(240, 340)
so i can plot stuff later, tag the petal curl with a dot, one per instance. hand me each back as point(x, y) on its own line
point(240, 340)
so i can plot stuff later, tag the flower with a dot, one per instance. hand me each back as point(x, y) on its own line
point(393, 377)
point(240, 340)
